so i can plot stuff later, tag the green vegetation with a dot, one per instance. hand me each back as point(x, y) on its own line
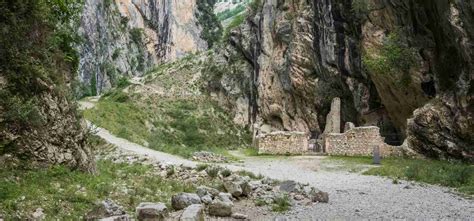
point(393, 58)
point(229, 13)
point(176, 126)
point(69, 195)
point(361, 8)
point(37, 54)
point(213, 171)
point(451, 174)
point(281, 203)
point(226, 172)
point(236, 22)
point(211, 27)
point(201, 167)
point(250, 174)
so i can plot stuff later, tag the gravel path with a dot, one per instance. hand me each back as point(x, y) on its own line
point(355, 196)
point(352, 195)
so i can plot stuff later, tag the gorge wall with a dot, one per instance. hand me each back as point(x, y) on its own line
point(129, 37)
point(405, 66)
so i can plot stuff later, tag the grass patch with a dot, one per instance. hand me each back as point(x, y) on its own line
point(250, 174)
point(445, 173)
point(69, 195)
point(176, 126)
point(281, 204)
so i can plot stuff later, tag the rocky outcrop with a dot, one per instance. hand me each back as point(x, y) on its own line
point(128, 37)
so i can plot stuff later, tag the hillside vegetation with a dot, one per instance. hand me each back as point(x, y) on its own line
point(166, 111)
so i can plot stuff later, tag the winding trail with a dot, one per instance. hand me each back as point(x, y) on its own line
point(352, 195)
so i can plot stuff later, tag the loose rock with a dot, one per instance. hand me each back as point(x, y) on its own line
point(220, 208)
point(239, 216)
point(194, 212)
point(320, 196)
point(117, 218)
point(184, 200)
point(38, 214)
point(105, 209)
point(152, 211)
point(204, 190)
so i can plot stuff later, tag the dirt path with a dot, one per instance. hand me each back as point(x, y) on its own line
point(352, 195)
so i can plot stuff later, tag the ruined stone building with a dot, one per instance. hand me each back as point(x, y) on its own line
point(353, 141)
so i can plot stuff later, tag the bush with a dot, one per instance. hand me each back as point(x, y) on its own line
point(395, 57)
point(281, 204)
point(226, 173)
point(201, 167)
point(213, 171)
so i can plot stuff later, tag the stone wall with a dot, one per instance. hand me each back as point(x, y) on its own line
point(359, 141)
point(282, 142)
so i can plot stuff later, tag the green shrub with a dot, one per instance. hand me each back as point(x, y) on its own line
point(201, 167)
point(250, 174)
point(260, 202)
point(281, 203)
point(394, 58)
point(361, 8)
point(213, 171)
point(226, 173)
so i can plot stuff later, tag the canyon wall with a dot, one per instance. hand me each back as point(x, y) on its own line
point(405, 66)
point(129, 37)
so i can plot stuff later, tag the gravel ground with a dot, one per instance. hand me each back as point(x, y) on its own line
point(351, 195)
point(355, 196)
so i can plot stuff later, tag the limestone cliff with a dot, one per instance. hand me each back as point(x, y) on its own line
point(388, 61)
point(128, 37)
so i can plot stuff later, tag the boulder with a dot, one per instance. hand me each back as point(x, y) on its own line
point(233, 188)
point(152, 211)
point(183, 200)
point(220, 208)
point(238, 186)
point(105, 209)
point(194, 212)
point(290, 186)
point(204, 190)
point(226, 197)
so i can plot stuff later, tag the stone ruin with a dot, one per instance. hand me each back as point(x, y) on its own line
point(282, 142)
point(354, 141)
point(358, 141)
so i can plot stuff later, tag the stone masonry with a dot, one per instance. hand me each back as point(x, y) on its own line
point(283, 142)
point(359, 141)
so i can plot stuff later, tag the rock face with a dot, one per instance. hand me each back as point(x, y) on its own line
point(383, 59)
point(128, 37)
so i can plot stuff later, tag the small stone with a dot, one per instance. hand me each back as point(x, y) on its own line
point(152, 211)
point(280, 218)
point(320, 196)
point(117, 218)
point(220, 208)
point(183, 200)
point(207, 199)
point(298, 197)
point(38, 214)
point(239, 216)
point(194, 212)
point(105, 209)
